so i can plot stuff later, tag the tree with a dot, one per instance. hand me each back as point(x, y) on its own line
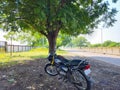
point(49, 17)
point(27, 37)
point(63, 40)
point(109, 43)
point(96, 45)
point(10, 35)
point(80, 42)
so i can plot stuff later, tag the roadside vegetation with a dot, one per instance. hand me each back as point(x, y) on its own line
point(83, 42)
point(20, 57)
point(107, 43)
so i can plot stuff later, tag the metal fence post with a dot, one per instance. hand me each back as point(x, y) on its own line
point(5, 46)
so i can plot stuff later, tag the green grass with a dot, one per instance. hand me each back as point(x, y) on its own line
point(19, 57)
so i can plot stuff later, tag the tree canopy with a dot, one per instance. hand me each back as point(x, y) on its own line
point(110, 43)
point(80, 42)
point(49, 17)
point(63, 40)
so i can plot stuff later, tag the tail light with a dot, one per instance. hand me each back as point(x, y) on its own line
point(87, 70)
point(87, 66)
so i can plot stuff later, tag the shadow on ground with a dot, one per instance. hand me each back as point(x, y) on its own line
point(31, 76)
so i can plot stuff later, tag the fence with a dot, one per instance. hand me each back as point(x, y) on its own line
point(4, 47)
point(104, 50)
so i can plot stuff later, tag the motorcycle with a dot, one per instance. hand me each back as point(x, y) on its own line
point(76, 72)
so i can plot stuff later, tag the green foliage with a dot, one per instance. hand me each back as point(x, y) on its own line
point(35, 39)
point(71, 16)
point(27, 37)
point(63, 40)
point(96, 45)
point(10, 35)
point(109, 43)
point(48, 17)
point(22, 57)
point(80, 42)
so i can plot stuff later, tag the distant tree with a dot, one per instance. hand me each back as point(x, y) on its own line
point(118, 44)
point(49, 17)
point(80, 42)
point(10, 35)
point(27, 37)
point(63, 40)
point(70, 44)
point(113, 44)
point(108, 43)
point(96, 45)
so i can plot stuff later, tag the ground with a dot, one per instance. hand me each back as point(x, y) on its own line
point(31, 76)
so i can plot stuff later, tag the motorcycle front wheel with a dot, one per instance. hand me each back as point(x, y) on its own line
point(51, 69)
point(80, 80)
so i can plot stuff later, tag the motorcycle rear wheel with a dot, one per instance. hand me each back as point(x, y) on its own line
point(80, 80)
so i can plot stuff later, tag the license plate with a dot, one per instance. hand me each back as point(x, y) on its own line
point(87, 72)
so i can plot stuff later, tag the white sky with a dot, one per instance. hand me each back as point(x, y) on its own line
point(8, 41)
point(112, 33)
point(1, 36)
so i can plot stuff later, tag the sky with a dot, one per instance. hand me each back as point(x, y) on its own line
point(111, 33)
point(1, 35)
point(8, 41)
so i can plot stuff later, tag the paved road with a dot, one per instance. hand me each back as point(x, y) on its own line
point(103, 57)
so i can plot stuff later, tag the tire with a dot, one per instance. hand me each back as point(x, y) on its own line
point(80, 80)
point(51, 69)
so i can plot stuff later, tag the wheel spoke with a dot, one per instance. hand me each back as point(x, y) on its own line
point(79, 80)
point(51, 70)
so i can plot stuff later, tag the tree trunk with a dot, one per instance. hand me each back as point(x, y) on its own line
point(52, 36)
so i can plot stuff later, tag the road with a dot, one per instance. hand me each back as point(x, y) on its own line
point(102, 57)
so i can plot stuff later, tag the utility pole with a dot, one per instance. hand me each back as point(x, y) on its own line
point(101, 40)
point(101, 36)
point(11, 46)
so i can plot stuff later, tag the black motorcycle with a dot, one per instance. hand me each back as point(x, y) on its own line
point(75, 71)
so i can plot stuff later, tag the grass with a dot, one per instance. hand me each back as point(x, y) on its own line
point(19, 57)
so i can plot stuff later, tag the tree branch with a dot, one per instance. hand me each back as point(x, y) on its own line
point(42, 32)
point(61, 4)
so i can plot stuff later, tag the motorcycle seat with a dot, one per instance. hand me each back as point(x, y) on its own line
point(74, 62)
point(67, 62)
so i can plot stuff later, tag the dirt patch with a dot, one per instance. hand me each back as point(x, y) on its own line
point(31, 76)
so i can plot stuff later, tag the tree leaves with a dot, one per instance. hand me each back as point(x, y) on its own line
point(72, 17)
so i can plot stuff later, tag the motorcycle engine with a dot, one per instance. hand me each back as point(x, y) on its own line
point(63, 70)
